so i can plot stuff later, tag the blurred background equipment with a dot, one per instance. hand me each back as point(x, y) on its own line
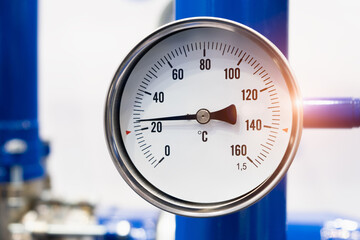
point(81, 43)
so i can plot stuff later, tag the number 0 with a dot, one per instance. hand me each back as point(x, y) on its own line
point(167, 150)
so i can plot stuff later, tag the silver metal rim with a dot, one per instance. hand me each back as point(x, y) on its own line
point(124, 164)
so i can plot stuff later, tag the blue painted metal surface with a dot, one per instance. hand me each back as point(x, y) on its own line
point(321, 226)
point(269, 17)
point(303, 231)
point(18, 91)
point(331, 113)
point(307, 226)
point(121, 224)
point(265, 220)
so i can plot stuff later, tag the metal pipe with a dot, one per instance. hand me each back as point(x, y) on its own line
point(331, 112)
point(21, 150)
point(19, 131)
point(266, 219)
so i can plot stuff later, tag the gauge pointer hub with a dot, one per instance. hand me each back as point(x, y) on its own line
point(203, 116)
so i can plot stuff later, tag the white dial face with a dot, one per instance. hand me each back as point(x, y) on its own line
point(202, 117)
point(230, 153)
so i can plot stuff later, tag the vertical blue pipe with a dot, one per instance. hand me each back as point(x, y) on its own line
point(269, 17)
point(265, 220)
point(20, 145)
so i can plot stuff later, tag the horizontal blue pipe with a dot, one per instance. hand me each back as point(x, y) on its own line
point(331, 112)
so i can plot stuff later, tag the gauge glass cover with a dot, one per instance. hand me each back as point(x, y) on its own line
point(203, 117)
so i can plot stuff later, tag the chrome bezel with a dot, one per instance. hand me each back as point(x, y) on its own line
point(124, 164)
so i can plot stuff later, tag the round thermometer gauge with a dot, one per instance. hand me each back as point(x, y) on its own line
point(203, 118)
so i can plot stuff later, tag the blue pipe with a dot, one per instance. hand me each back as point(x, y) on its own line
point(20, 145)
point(265, 220)
point(269, 17)
point(331, 113)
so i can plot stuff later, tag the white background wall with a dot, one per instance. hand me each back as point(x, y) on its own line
point(82, 43)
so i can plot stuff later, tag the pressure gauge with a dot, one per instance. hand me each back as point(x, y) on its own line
point(203, 117)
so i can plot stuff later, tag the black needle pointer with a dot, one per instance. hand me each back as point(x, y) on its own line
point(203, 116)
